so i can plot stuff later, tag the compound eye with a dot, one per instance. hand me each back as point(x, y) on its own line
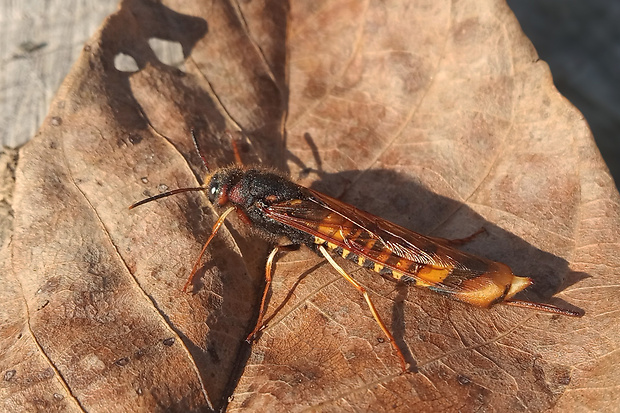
point(213, 192)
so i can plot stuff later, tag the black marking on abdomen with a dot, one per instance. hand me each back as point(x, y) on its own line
point(386, 271)
point(407, 279)
point(370, 264)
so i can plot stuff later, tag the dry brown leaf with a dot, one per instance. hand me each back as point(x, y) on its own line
point(435, 115)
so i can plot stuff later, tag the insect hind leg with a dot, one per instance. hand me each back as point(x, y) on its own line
point(373, 309)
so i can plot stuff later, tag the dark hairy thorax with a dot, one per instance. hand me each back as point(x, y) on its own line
point(253, 190)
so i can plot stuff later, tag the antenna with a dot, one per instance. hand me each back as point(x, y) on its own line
point(165, 194)
point(180, 190)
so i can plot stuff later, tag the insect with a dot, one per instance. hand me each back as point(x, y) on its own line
point(281, 208)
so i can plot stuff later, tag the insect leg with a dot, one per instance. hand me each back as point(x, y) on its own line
point(373, 310)
point(459, 241)
point(216, 227)
point(259, 323)
point(236, 151)
point(235, 147)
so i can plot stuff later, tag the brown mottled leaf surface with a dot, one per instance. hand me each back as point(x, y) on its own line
point(435, 115)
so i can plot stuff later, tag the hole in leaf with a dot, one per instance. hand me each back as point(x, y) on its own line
point(168, 52)
point(125, 63)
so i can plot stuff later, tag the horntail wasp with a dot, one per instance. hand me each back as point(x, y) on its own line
point(279, 207)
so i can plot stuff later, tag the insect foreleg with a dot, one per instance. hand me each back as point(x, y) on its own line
point(373, 310)
point(216, 227)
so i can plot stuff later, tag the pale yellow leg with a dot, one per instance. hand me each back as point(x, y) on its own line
point(373, 310)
